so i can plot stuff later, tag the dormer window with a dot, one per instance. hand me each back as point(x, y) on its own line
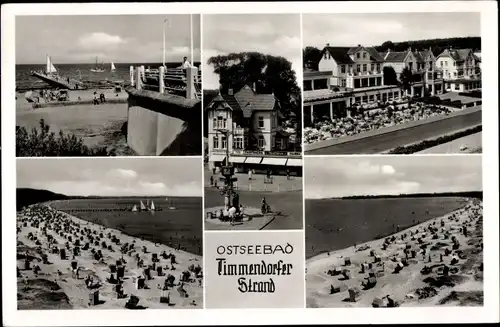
point(358, 55)
point(364, 55)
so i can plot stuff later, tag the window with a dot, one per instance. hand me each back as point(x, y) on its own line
point(364, 67)
point(216, 142)
point(365, 99)
point(446, 63)
point(214, 123)
point(358, 68)
point(358, 55)
point(378, 97)
point(378, 68)
point(350, 68)
point(357, 99)
point(224, 142)
point(238, 143)
point(342, 69)
point(457, 87)
point(344, 83)
point(261, 122)
point(364, 55)
point(384, 97)
point(372, 98)
point(220, 123)
point(260, 141)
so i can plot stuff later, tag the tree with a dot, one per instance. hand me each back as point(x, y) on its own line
point(386, 45)
point(311, 57)
point(406, 80)
point(390, 76)
point(269, 74)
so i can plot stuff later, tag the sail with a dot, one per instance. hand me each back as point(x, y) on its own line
point(134, 208)
point(113, 66)
point(50, 67)
point(152, 205)
point(143, 207)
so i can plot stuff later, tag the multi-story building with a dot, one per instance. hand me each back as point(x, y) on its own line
point(346, 76)
point(245, 125)
point(427, 79)
point(461, 69)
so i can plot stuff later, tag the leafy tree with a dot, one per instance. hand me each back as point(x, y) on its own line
point(44, 143)
point(387, 45)
point(406, 81)
point(311, 57)
point(268, 73)
point(390, 76)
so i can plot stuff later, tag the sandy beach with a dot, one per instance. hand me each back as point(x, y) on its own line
point(438, 262)
point(47, 281)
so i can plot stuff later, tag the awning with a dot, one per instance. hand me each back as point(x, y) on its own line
point(274, 161)
point(294, 163)
point(217, 157)
point(237, 159)
point(253, 160)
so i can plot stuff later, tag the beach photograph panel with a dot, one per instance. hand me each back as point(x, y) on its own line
point(108, 85)
point(252, 121)
point(397, 83)
point(109, 234)
point(388, 231)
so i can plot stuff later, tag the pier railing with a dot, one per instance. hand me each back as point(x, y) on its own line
point(185, 83)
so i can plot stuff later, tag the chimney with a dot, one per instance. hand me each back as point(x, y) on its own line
point(388, 50)
point(254, 87)
point(359, 45)
point(230, 92)
point(328, 44)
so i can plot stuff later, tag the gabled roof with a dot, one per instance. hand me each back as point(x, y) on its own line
point(394, 56)
point(457, 55)
point(339, 54)
point(247, 101)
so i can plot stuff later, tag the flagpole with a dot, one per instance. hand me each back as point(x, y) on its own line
point(164, 46)
point(191, 31)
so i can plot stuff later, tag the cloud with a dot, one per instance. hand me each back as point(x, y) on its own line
point(124, 173)
point(388, 170)
point(99, 40)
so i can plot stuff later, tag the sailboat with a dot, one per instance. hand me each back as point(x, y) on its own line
point(134, 209)
point(143, 207)
point(113, 68)
point(50, 69)
point(96, 69)
point(152, 207)
point(171, 205)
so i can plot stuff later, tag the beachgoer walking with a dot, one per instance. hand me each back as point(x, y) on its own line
point(249, 174)
point(211, 180)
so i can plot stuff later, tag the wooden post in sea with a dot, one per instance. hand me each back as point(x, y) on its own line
point(162, 79)
point(132, 81)
point(138, 78)
point(192, 72)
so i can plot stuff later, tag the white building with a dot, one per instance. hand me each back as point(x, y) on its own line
point(461, 69)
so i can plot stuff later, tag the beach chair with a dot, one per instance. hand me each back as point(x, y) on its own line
point(94, 298)
point(347, 261)
point(132, 302)
point(353, 295)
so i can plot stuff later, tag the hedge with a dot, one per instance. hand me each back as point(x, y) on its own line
point(417, 147)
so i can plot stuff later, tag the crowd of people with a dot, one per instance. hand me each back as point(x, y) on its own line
point(50, 234)
point(369, 120)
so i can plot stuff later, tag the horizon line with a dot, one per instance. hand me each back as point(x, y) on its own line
point(389, 195)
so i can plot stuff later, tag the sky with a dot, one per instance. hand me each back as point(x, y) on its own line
point(374, 29)
point(275, 34)
point(391, 175)
point(118, 38)
point(113, 176)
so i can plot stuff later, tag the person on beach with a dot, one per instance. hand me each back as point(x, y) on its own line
point(96, 102)
point(212, 180)
point(232, 213)
point(249, 174)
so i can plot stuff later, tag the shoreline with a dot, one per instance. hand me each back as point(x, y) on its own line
point(406, 287)
point(57, 275)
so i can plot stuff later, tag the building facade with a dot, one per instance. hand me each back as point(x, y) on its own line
point(461, 70)
point(244, 129)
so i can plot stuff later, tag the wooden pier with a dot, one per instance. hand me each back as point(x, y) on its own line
point(59, 82)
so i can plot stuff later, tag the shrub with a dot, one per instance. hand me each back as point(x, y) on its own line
point(431, 143)
point(44, 143)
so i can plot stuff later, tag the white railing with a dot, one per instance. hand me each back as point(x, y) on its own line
point(186, 83)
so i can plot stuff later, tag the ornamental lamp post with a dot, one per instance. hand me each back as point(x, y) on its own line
point(228, 169)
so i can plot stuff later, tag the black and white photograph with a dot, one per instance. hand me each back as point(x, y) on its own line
point(252, 122)
point(99, 233)
point(395, 83)
point(381, 231)
point(108, 85)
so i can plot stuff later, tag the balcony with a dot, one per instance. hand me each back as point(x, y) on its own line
point(240, 130)
point(220, 126)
